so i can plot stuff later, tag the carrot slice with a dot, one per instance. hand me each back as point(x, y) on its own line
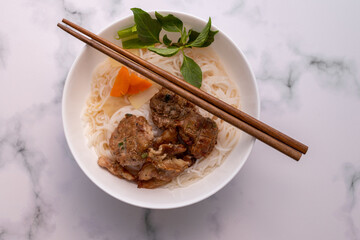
point(138, 84)
point(126, 83)
point(121, 84)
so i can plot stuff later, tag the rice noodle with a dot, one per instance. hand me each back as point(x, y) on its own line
point(98, 126)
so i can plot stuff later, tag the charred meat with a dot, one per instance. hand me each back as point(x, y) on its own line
point(162, 166)
point(168, 109)
point(165, 157)
point(115, 168)
point(174, 113)
point(130, 140)
point(200, 134)
point(152, 162)
point(152, 183)
point(169, 135)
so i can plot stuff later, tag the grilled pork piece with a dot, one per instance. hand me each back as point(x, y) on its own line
point(168, 109)
point(169, 135)
point(199, 133)
point(114, 167)
point(130, 140)
point(162, 166)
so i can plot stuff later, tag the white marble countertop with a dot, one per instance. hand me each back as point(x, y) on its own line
point(306, 57)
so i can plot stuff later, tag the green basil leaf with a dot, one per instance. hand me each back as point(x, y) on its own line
point(210, 38)
point(199, 41)
point(135, 43)
point(192, 35)
point(148, 29)
point(165, 52)
point(127, 32)
point(191, 72)
point(166, 40)
point(169, 23)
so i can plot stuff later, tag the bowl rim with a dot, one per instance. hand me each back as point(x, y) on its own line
point(195, 199)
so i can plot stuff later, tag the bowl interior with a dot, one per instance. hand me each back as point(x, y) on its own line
point(77, 88)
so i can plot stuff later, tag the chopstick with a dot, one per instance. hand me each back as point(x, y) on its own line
point(213, 105)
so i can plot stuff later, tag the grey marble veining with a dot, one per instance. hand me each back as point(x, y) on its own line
point(149, 227)
point(351, 207)
point(16, 147)
point(71, 11)
point(305, 57)
point(333, 73)
point(339, 73)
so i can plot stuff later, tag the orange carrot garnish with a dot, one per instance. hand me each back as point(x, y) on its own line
point(121, 84)
point(138, 84)
point(126, 83)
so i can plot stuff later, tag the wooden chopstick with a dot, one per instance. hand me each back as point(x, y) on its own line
point(268, 139)
point(204, 95)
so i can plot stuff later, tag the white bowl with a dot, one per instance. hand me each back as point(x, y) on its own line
point(77, 88)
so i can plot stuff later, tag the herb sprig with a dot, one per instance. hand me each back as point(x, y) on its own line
point(146, 33)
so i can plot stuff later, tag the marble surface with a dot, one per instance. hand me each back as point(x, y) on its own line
point(306, 57)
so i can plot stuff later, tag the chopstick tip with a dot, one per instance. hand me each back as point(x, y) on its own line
point(62, 26)
point(306, 149)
